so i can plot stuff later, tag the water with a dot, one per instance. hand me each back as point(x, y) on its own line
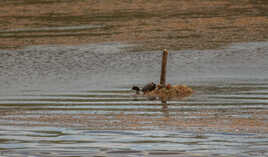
point(76, 101)
point(67, 68)
point(69, 142)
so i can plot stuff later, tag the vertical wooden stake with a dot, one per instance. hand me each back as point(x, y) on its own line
point(163, 68)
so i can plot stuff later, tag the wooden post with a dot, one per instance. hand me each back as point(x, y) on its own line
point(163, 68)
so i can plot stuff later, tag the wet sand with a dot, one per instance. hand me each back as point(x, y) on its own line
point(202, 122)
point(154, 25)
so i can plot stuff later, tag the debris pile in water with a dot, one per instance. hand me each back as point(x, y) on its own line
point(170, 92)
point(164, 93)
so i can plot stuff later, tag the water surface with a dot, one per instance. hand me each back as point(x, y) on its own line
point(67, 68)
point(76, 101)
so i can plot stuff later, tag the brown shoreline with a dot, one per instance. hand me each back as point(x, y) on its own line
point(152, 24)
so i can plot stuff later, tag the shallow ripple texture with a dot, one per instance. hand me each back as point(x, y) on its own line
point(76, 101)
point(71, 97)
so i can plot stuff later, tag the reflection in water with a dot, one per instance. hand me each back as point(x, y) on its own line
point(165, 109)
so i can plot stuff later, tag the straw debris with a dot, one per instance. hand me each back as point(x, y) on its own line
point(170, 92)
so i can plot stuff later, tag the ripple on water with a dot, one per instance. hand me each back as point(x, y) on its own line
point(150, 129)
point(225, 116)
point(129, 142)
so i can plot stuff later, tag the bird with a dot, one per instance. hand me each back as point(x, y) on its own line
point(137, 89)
point(149, 87)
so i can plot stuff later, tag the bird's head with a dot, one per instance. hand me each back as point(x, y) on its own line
point(135, 88)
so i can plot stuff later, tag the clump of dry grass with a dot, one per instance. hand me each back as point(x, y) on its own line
point(170, 92)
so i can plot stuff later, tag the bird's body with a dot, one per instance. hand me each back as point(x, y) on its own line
point(147, 88)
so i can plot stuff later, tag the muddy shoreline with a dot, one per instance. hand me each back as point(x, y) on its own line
point(170, 24)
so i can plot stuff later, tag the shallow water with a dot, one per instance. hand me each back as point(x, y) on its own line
point(76, 101)
point(49, 141)
point(70, 96)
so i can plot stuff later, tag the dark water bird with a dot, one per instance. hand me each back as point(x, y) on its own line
point(147, 88)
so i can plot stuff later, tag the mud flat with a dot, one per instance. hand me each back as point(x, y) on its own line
point(155, 25)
